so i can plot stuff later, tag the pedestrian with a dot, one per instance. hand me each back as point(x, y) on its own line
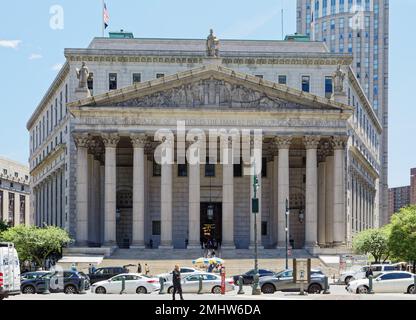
point(146, 269)
point(369, 272)
point(90, 268)
point(151, 244)
point(139, 268)
point(74, 267)
point(176, 279)
point(93, 269)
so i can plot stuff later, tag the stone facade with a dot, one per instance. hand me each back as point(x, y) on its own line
point(15, 198)
point(115, 194)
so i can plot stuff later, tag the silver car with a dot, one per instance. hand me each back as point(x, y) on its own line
point(283, 281)
point(211, 283)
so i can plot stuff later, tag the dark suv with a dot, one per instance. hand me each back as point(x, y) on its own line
point(106, 273)
point(70, 282)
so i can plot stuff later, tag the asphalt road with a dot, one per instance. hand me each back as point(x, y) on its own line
point(337, 293)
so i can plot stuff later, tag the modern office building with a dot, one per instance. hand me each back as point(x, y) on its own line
point(14, 193)
point(360, 28)
point(95, 134)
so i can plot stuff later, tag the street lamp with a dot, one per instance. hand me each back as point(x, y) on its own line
point(287, 231)
point(255, 210)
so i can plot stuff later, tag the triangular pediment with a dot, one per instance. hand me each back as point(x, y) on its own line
point(212, 86)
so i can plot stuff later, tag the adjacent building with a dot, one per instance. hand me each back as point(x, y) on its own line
point(14, 193)
point(413, 186)
point(359, 28)
point(398, 198)
point(95, 134)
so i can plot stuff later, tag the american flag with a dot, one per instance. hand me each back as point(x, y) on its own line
point(106, 16)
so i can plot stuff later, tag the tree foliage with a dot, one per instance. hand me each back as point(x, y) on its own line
point(402, 239)
point(374, 242)
point(36, 244)
point(3, 226)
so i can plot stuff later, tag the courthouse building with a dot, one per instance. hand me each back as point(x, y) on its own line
point(93, 142)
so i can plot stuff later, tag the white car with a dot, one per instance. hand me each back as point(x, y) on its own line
point(134, 283)
point(359, 273)
point(386, 282)
point(211, 283)
point(185, 271)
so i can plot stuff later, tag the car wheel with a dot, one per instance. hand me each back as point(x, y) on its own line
point(29, 290)
point(216, 290)
point(362, 290)
point(70, 290)
point(268, 288)
point(314, 288)
point(411, 289)
point(170, 290)
point(100, 290)
point(141, 290)
point(348, 280)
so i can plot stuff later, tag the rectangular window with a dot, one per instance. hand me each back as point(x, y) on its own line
point(157, 169)
point(156, 230)
point(137, 78)
point(112, 78)
point(159, 75)
point(264, 228)
point(264, 167)
point(306, 83)
point(328, 87)
point(282, 79)
point(238, 169)
point(182, 170)
point(209, 170)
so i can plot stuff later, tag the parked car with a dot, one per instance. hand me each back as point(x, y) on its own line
point(70, 282)
point(9, 271)
point(185, 271)
point(211, 283)
point(386, 282)
point(106, 273)
point(356, 274)
point(134, 283)
point(283, 281)
point(248, 277)
point(32, 275)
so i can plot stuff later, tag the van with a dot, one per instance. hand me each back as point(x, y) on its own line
point(9, 271)
point(357, 274)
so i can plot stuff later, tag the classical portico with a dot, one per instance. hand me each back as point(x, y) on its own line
point(142, 203)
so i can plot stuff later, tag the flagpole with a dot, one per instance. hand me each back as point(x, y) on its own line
point(102, 19)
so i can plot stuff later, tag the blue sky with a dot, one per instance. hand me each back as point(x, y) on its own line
point(31, 52)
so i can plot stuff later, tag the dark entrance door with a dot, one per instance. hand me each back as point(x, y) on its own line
point(211, 226)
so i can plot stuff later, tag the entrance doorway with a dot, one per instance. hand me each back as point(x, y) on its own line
point(211, 222)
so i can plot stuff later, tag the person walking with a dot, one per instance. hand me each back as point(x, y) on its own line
point(139, 268)
point(146, 269)
point(176, 279)
point(369, 272)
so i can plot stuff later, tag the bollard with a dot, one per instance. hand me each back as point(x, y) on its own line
point(240, 285)
point(123, 285)
point(47, 285)
point(200, 285)
point(256, 291)
point(326, 290)
point(162, 285)
point(370, 285)
point(414, 285)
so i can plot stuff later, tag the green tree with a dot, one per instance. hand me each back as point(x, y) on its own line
point(374, 242)
point(402, 240)
point(36, 244)
point(3, 226)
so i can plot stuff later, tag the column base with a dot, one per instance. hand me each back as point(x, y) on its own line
point(194, 245)
point(138, 245)
point(110, 244)
point(165, 247)
point(227, 246)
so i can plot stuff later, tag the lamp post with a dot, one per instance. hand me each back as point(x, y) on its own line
point(287, 232)
point(255, 210)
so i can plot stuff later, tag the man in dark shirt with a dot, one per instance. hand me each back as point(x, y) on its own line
point(176, 279)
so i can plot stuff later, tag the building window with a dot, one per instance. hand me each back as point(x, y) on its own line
point(157, 169)
point(182, 170)
point(264, 228)
point(238, 169)
point(282, 79)
point(306, 83)
point(264, 167)
point(328, 87)
point(209, 170)
point(16, 175)
point(159, 75)
point(156, 228)
point(112, 81)
point(137, 78)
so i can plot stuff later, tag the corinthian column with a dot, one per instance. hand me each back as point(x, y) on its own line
point(110, 142)
point(82, 141)
point(339, 196)
point(166, 201)
point(321, 199)
point(194, 183)
point(138, 142)
point(283, 144)
point(228, 198)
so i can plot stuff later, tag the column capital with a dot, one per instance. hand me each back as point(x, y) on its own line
point(338, 142)
point(138, 140)
point(82, 140)
point(283, 142)
point(311, 142)
point(110, 140)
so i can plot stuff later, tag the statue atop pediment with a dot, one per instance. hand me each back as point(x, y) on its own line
point(213, 45)
point(338, 79)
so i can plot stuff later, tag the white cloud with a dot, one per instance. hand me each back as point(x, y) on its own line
point(10, 43)
point(57, 67)
point(35, 56)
